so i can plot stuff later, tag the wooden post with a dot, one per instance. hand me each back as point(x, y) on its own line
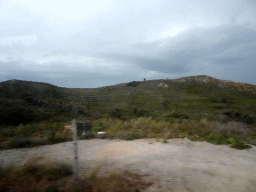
point(76, 169)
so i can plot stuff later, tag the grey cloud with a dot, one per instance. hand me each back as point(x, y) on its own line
point(61, 74)
point(219, 35)
point(224, 45)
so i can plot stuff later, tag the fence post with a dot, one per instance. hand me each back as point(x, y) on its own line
point(76, 169)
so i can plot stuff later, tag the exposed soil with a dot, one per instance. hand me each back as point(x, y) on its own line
point(179, 165)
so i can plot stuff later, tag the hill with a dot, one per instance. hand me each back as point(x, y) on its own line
point(198, 107)
point(192, 97)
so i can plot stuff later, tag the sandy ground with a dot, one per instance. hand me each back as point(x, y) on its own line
point(179, 165)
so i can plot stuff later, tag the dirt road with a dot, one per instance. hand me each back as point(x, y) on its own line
point(179, 165)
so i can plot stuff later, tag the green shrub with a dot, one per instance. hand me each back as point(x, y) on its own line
point(130, 135)
point(155, 129)
point(140, 113)
point(38, 141)
point(97, 129)
point(54, 136)
point(116, 113)
point(34, 176)
point(212, 100)
point(235, 143)
point(217, 139)
point(7, 132)
point(19, 141)
point(224, 100)
point(111, 136)
point(61, 169)
point(133, 84)
point(102, 136)
point(126, 125)
point(53, 171)
point(219, 106)
point(51, 135)
point(239, 116)
point(30, 169)
point(26, 130)
point(133, 190)
point(62, 139)
point(88, 135)
point(177, 114)
point(248, 119)
point(52, 188)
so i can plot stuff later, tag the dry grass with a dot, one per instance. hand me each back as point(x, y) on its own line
point(53, 176)
point(116, 181)
point(32, 176)
point(142, 127)
point(200, 130)
point(147, 126)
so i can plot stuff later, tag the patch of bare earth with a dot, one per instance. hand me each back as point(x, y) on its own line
point(179, 165)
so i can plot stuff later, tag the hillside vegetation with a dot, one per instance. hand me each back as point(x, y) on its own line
point(197, 107)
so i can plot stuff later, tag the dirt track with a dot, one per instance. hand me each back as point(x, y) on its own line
point(179, 165)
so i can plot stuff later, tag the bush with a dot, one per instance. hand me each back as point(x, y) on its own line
point(130, 135)
point(26, 130)
point(34, 176)
point(133, 84)
point(224, 100)
point(19, 142)
point(87, 135)
point(213, 100)
point(52, 171)
point(235, 143)
point(238, 116)
point(217, 139)
point(52, 188)
point(102, 136)
point(155, 129)
point(116, 113)
point(248, 119)
point(51, 135)
point(61, 170)
point(7, 132)
point(125, 181)
point(177, 114)
point(97, 129)
point(106, 135)
point(140, 112)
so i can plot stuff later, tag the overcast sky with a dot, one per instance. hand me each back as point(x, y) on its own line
point(89, 44)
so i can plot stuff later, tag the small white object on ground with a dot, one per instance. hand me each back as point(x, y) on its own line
point(101, 133)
